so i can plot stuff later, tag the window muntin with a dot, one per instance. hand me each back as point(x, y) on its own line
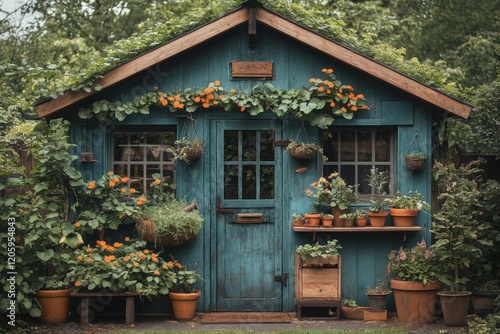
point(354, 152)
point(140, 154)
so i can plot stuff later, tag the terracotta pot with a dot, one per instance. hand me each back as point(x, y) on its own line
point(483, 303)
point(354, 313)
point(377, 219)
point(455, 307)
point(327, 221)
point(336, 212)
point(377, 302)
point(312, 219)
point(415, 302)
point(361, 222)
point(55, 305)
point(184, 304)
point(403, 217)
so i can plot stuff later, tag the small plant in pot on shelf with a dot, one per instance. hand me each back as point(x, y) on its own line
point(298, 219)
point(341, 195)
point(456, 228)
point(377, 296)
point(415, 283)
point(377, 210)
point(349, 219)
point(405, 208)
point(361, 218)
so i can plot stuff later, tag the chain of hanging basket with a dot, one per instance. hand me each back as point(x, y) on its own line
point(415, 156)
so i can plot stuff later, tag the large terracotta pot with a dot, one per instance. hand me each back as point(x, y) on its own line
point(415, 302)
point(455, 307)
point(55, 305)
point(403, 217)
point(184, 304)
point(377, 219)
point(483, 303)
point(336, 212)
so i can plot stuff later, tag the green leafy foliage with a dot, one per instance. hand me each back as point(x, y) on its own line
point(331, 248)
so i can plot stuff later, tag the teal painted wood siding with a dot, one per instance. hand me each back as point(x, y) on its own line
point(364, 255)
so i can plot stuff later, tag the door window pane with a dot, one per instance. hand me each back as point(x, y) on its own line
point(249, 146)
point(230, 145)
point(249, 182)
point(267, 145)
point(231, 182)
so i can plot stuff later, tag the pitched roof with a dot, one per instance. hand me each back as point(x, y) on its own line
point(53, 107)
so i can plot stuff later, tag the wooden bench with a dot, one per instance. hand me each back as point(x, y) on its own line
point(85, 304)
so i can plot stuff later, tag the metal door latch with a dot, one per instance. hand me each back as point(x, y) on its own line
point(281, 278)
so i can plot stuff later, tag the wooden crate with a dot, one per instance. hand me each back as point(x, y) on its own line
point(375, 315)
point(318, 283)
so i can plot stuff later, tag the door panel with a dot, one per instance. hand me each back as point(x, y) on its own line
point(248, 216)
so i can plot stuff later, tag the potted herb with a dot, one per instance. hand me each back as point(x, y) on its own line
point(455, 228)
point(166, 220)
point(405, 208)
point(377, 296)
point(313, 254)
point(415, 283)
point(377, 212)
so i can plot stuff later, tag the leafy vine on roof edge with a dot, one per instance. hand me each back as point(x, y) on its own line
point(318, 104)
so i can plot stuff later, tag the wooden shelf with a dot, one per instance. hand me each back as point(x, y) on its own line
point(355, 229)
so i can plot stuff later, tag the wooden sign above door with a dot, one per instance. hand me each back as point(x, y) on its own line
point(252, 69)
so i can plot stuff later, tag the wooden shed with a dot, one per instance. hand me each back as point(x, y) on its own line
point(249, 267)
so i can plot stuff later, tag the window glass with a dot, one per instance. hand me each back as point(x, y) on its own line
point(353, 152)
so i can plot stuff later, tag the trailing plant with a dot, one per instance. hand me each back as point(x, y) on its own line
point(416, 155)
point(318, 104)
point(348, 302)
point(378, 181)
point(186, 150)
point(331, 248)
point(456, 226)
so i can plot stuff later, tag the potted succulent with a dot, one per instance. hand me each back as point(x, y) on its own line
point(455, 228)
point(377, 296)
point(166, 220)
point(182, 292)
point(377, 212)
point(361, 218)
point(405, 208)
point(415, 283)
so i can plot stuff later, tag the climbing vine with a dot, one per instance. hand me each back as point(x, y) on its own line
point(319, 104)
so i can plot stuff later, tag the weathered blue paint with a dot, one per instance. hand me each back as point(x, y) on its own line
point(364, 255)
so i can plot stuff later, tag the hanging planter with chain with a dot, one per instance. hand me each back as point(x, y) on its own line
point(304, 151)
point(187, 150)
point(415, 156)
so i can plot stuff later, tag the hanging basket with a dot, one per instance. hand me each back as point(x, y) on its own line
point(303, 152)
point(146, 229)
point(191, 152)
point(415, 164)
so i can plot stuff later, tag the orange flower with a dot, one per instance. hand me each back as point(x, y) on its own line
point(314, 184)
point(354, 108)
point(117, 244)
point(232, 90)
point(116, 179)
point(365, 107)
point(242, 109)
point(217, 82)
point(160, 94)
point(328, 91)
point(197, 99)
point(79, 258)
point(125, 179)
point(132, 190)
point(210, 96)
point(115, 263)
point(206, 105)
point(87, 261)
point(112, 184)
point(339, 94)
point(163, 101)
point(136, 264)
point(110, 172)
point(178, 98)
point(332, 104)
point(170, 98)
point(132, 255)
point(157, 181)
point(170, 264)
point(164, 266)
point(126, 259)
point(351, 96)
point(141, 256)
point(127, 239)
point(123, 190)
point(91, 185)
point(343, 109)
point(88, 250)
point(216, 103)
point(321, 89)
point(178, 265)
point(146, 251)
point(77, 224)
point(78, 283)
point(156, 272)
point(349, 87)
point(330, 84)
point(110, 249)
point(360, 96)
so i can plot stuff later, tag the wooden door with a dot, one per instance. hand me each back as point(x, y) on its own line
point(248, 194)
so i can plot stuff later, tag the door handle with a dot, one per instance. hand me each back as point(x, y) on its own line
point(220, 210)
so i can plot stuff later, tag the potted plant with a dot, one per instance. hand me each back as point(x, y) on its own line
point(298, 219)
point(415, 283)
point(377, 296)
point(183, 295)
point(302, 151)
point(455, 228)
point(484, 295)
point(377, 212)
point(415, 161)
point(312, 254)
point(187, 150)
point(349, 309)
point(341, 195)
point(327, 219)
point(166, 220)
point(361, 218)
point(405, 208)
point(349, 219)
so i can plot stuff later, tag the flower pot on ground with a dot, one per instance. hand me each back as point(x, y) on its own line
point(183, 295)
point(405, 208)
point(349, 309)
point(377, 297)
point(483, 297)
point(184, 304)
point(455, 229)
point(415, 285)
point(54, 305)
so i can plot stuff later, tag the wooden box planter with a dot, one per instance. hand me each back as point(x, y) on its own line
point(318, 283)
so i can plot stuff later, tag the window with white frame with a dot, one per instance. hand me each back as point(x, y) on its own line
point(140, 153)
point(353, 152)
